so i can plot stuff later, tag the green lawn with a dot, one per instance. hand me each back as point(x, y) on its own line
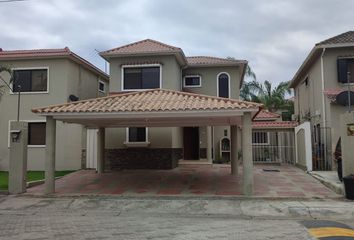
point(31, 176)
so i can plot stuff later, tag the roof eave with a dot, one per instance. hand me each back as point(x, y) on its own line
point(295, 80)
point(179, 55)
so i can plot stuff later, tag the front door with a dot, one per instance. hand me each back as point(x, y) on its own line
point(191, 143)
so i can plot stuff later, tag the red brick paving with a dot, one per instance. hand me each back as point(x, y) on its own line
point(199, 180)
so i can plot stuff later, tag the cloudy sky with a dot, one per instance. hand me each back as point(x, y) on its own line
point(273, 35)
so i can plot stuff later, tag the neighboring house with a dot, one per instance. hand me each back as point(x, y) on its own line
point(149, 64)
point(273, 140)
point(317, 83)
point(47, 77)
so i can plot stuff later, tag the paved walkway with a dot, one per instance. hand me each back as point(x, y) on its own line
point(281, 181)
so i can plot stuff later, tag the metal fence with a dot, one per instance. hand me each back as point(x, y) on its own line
point(273, 146)
point(321, 149)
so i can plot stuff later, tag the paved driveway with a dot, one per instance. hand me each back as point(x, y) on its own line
point(277, 181)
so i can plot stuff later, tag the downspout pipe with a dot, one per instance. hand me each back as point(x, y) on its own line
point(324, 115)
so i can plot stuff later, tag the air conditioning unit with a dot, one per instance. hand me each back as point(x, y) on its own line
point(294, 117)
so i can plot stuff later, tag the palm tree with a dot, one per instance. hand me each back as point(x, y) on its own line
point(272, 98)
point(2, 80)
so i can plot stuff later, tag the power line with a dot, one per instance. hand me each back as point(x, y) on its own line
point(7, 1)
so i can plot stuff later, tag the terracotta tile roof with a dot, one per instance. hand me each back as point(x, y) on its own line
point(264, 114)
point(144, 46)
point(347, 37)
point(50, 53)
point(206, 60)
point(272, 124)
point(157, 100)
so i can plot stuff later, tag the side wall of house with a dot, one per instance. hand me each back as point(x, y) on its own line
point(331, 82)
point(63, 81)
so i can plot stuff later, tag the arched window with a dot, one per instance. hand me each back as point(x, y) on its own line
point(223, 85)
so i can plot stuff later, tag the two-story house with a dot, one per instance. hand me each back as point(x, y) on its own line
point(319, 81)
point(149, 64)
point(47, 77)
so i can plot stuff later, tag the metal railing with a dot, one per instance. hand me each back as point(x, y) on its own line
point(273, 147)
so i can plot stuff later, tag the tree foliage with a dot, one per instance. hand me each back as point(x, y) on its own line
point(273, 98)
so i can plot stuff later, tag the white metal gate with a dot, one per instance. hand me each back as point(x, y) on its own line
point(91, 149)
point(273, 146)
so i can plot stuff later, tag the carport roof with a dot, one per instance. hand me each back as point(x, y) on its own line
point(152, 108)
point(157, 100)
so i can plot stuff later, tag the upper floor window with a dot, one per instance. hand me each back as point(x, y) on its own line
point(345, 65)
point(101, 86)
point(223, 85)
point(192, 81)
point(30, 80)
point(144, 77)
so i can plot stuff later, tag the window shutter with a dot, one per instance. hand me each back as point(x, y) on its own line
point(342, 65)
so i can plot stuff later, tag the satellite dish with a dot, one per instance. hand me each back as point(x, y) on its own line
point(342, 98)
point(73, 98)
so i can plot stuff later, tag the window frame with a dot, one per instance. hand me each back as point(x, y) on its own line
point(104, 86)
point(139, 66)
point(344, 83)
point(217, 83)
point(192, 86)
point(261, 144)
point(31, 68)
point(146, 136)
point(27, 121)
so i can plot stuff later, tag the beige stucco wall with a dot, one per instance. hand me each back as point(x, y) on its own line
point(209, 80)
point(158, 137)
point(172, 79)
point(301, 148)
point(311, 97)
point(171, 71)
point(63, 81)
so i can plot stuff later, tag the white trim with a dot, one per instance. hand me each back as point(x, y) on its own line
point(127, 137)
point(217, 83)
point(169, 114)
point(28, 121)
point(138, 66)
point(31, 68)
point(104, 86)
point(192, 86)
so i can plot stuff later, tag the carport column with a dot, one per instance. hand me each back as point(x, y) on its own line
point(239, 144)
point(209, 145)
point(234, 155)
point(100, 149)
point(247, 154)
point(50, 155)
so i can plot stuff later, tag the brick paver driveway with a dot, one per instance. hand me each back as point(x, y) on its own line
point(276, 181)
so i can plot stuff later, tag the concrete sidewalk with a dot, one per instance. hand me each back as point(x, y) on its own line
point(329, 179)
point(232, 207)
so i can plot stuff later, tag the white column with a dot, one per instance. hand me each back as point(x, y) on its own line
point(100, 150)
point(209, 145)
point(50, 155)
point(234, 154)
point(247, 154)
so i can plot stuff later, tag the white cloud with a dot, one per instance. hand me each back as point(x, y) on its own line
point(274, 35)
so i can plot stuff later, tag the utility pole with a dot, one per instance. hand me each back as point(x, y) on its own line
point(349, 93)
